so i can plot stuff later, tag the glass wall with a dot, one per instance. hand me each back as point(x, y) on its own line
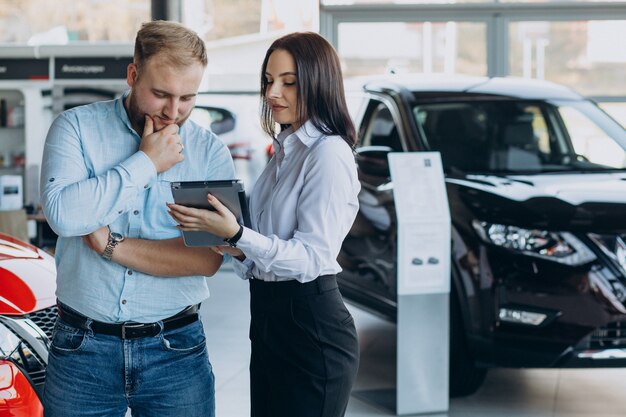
point(400, 2)
point(37, 22)
point(581, 54)
point(442, 47)
point(63, 21)
point(237, 32)
point(360, 2)
point(578, 44)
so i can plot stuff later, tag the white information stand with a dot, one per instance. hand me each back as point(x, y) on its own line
point(423, 282)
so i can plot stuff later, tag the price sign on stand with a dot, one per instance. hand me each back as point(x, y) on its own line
point(423, 282)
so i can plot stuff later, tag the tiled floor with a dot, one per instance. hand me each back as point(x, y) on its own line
point(506, 392)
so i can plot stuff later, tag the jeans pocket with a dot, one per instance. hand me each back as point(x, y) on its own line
point(66, 338)
point(186, 339)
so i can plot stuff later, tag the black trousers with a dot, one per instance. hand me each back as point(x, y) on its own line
point(305, 352)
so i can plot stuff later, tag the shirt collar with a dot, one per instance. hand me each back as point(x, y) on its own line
point(308, 134)
point(121, 110)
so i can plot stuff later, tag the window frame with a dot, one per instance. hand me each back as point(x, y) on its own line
point(496, 16)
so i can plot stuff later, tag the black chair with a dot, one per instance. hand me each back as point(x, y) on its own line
point(519, 148)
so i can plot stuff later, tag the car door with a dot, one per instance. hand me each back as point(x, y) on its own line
point(368, 255)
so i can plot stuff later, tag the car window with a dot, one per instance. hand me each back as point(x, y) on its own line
point(382, 130)
point(458, 130)
point(218, 120)
point(589, 141)
point(510, 136)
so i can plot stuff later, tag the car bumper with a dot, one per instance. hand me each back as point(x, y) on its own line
point(554, 316)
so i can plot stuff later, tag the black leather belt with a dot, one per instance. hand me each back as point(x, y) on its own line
point(129, 329)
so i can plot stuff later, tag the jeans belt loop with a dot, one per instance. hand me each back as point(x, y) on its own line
point(88, 325)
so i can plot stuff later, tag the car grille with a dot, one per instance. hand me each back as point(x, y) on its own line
point(612, 336)
point(38, 377)
point(25, 356)
point(45, 319)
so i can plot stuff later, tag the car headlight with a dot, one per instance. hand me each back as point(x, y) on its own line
point(613, 246)
point(17, 396)
point(561, 247)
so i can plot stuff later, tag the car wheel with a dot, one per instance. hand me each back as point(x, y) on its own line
point(465, 376)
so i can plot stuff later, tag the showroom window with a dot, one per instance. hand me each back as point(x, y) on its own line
point(573, 45)
point(440, 47)
point(575, 53)
point(64, 21)
point(401, 2)
point(37, 22)
point(359, 2)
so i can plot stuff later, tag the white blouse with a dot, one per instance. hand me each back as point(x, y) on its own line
point(301, 208)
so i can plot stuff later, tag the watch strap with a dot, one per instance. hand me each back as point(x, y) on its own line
point(111, 244)
point(232, 241)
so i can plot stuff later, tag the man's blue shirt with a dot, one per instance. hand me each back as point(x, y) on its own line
point(94, 175)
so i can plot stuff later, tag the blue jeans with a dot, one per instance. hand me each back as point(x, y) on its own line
point(98, 375)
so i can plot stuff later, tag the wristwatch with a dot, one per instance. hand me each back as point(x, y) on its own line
point(232, 241)
point(114, 239)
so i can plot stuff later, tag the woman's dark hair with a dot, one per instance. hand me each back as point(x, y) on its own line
point(321, 97)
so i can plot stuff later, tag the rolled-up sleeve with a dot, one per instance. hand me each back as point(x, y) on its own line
point(76, 201)
point(243, 269)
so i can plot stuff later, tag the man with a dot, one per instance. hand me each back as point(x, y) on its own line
point(127, 335)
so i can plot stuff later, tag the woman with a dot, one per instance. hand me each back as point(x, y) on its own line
point(304, 344)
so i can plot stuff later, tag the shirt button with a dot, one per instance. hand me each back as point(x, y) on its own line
point(123, 301)
point(136, 212)
point(145, 186)
point(130, 272)
point(51, 180)
point(119, 212)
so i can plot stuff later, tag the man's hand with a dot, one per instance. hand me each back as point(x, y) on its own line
point(163, 147)
point(97, 240)
point(234, 252)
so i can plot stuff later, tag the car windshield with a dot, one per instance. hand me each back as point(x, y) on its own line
point(509, 136)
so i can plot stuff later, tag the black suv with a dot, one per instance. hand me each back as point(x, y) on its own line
point(536, 182)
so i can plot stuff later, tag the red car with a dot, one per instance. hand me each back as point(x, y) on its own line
point(27, 317)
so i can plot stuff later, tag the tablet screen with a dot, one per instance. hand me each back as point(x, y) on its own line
point(194, 194)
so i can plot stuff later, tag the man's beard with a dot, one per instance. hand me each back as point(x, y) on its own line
point(138, 118)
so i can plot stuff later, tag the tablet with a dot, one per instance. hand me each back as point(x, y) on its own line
point(194, 194)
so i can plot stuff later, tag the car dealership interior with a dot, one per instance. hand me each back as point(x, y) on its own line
point(486, 266)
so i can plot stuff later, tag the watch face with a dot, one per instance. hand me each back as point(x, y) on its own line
point(116, 237)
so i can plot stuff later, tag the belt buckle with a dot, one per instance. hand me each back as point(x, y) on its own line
point(130, 326)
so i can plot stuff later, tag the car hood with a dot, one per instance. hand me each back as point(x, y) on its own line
point(27, 277)
point(590, 202)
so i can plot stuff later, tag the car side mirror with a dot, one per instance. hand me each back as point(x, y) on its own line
point(372, 160)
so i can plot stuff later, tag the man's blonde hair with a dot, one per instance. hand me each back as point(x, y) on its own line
point(179, 45)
